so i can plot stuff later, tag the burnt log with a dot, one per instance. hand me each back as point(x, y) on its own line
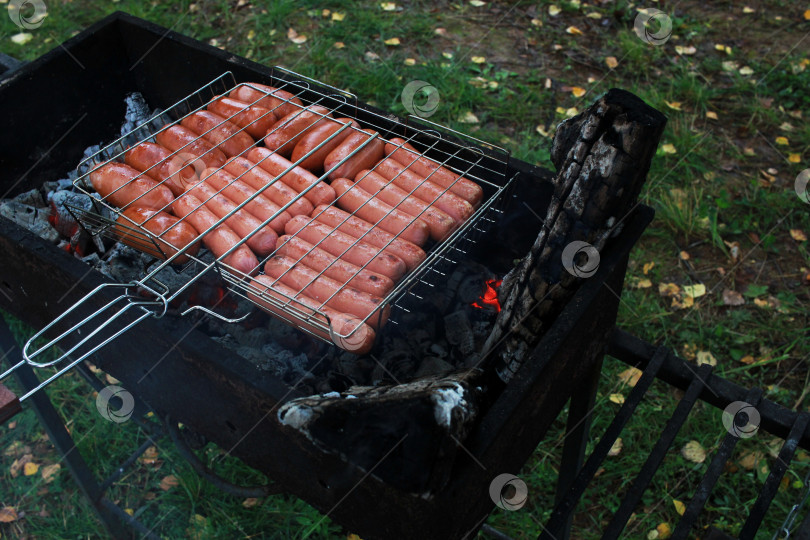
point(602, 157)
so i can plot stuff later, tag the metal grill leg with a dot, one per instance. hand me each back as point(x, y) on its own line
point(61, 439)
point(578, 426)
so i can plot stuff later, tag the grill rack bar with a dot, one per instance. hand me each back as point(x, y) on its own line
point(477, 165)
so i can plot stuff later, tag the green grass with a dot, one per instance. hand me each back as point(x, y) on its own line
point(725, 196)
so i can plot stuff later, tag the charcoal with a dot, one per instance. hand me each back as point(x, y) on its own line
point(33, 219)
point(31, 198)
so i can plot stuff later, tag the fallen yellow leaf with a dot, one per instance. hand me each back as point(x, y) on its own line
point(578, 91)
point(807, 15)
point(168, 482)
point(611, 62)
point(8, 514)
point(711, 115)
point(647, 267)
point(747, 9)
point(669, 149)
point(477, 3)
point(664, 531)
point(250, 502)
point(783, 141)
point(685, 51)
point(693, 451)
point(630, 376)
point(571, 112)
point(554, 10)
point(410, 62)
point(388, 6)
point(295, 37)
point(616, 449)
point(679, 506)
point(30, 469)
point(478, 59)
point(794, 158)
point(695, 291)
point(643, 284)
point(537, 22)
point(392, 42)
point(129, 511)
point(668, 289)
point(798, 235)
point(684, 256)
point(468, 118)
point(49, 472)
point(339, 45)
point(616, 398)
point(746, 71)
point(747, 359)
point(573, 30)
point(337, 16)
point(705, 357)
point(674, 105)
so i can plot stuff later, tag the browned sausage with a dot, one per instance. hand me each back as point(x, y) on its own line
point(220, 239)
point(218, 131)
point(366, 158)
point(269, 186)
point(286, 133)
point(316, 136)
point(237, 191)
point(297, 178)
point(170, 234)
point(261, 240)
point(280, 102)
point(255, 120)
point(348, 331)
point(446, 201)
point(355, 199)
point(122, 186)
point(347, 247)
point(158, 163)
point(410, 253)
point(440, 224)
point(340, 270)
point(302, 278)
point(181, 139)
point(423, 166)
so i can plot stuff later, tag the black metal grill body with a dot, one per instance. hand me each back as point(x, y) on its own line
point(54, 108)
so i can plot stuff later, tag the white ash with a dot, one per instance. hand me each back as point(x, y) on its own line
point(32, 218)
point(446, 401)
point(295, 415)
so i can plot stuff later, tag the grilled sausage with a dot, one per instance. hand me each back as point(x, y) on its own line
point(159, 164)
point(278, 192)
point(286, 133)
point(302, 278)
point(410, 253)
point(170, 234)
point(440, 224)
point(366, 158)
point(280, 102)
point(446, 201)
point(261, 240)
point(237, 191)
point(423, 166)
point(340, 270)
point(218, 131)
point(122, 186)
point(315, 136)
point(349, 332)
point(220, 239)
point(254, 119)
point(297, 178)
point(346, 247)
point(181, 139)
point(355, 199)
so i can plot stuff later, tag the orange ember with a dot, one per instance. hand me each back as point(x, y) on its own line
point(490, 296)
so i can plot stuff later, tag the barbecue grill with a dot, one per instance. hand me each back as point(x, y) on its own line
point(398, 456)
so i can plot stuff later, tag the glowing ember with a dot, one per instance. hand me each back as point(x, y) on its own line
point(490, 296)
